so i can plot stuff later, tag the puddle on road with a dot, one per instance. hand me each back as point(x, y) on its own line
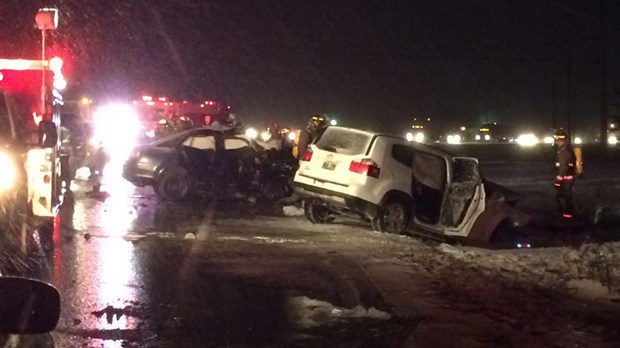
point(224, 312)
point(120, 295)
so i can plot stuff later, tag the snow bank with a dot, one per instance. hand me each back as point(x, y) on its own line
point(590, 272)
point(291, 210)
point(309, 313)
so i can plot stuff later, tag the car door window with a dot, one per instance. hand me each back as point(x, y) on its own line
point(235, 143)
point(200, 142)
point(403, 154)
point(199, 152)
point(429, 176)
point(238, 156)
point(465, 179)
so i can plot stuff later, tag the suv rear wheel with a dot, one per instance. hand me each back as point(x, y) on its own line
point(393, 217)
point(316, 212)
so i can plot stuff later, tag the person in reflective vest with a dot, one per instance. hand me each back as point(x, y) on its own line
point(565, 165)
point(316, 125)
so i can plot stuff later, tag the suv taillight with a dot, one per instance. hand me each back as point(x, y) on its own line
point(365, 166)
point(307, 155)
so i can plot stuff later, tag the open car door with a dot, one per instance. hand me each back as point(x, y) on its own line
point(465, 197)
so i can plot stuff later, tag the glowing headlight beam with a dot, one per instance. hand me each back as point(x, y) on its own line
point(418, 137)
point(548, 140)
point(528, 139)
point(8, 173)
point(454, 139)
point(251, 133)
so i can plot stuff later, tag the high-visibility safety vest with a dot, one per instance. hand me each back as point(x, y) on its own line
point(295, 149)
point(578, 160)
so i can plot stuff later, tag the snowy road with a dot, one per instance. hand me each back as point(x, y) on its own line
point(143, 273)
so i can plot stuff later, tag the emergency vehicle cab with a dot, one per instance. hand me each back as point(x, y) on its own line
point(30, 170)
point(155, 111)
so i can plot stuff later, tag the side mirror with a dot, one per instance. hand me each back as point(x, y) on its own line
point(27, 306)
point(48, 134)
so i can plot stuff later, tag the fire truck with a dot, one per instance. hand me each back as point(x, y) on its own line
point(30, 170)
point(156, 113)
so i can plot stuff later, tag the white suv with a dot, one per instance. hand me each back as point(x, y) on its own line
point(390, 182)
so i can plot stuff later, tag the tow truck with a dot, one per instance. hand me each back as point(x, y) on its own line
point(30, 170)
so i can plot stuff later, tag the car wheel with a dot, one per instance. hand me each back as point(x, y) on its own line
point(317, 213)
point(392, 217)
point(173, 184)
point(276, 190)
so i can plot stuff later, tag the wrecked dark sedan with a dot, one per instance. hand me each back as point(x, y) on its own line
point(205, 162)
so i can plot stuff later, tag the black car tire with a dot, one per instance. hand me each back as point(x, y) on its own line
point(317, 213)
point(276, 190)
point(392, 217)
point(173, 184)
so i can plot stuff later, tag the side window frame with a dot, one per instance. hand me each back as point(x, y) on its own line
point(404, 155)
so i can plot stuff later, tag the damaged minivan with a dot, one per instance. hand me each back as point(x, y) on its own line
point(397, 185)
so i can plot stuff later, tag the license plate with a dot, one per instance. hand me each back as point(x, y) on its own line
point(329, 165)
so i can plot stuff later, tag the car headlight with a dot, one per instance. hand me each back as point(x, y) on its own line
point(418, 137)
point(251, 133)
point(454, 139)
point(8, 173)
point(548, 140)
point(527, 139)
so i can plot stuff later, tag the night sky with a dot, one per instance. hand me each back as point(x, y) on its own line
point(371, 64)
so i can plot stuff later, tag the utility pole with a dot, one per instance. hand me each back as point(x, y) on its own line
point(554, 116)
point(603, 77)
point(569, 95)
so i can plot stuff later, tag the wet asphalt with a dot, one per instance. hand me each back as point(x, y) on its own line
point(136, 272)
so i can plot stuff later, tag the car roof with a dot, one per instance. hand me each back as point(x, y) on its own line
point(419, 146)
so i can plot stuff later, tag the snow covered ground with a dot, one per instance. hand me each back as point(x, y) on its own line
point(590, 270)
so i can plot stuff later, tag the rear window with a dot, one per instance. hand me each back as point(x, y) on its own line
point(344, 141)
